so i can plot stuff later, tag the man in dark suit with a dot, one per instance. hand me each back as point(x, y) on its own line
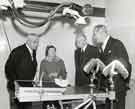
point(83, 54)
point(21, 65)
point(113, 49)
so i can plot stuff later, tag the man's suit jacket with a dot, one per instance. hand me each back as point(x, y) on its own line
point(81, 58)
point(116, 50)
point(19, 66)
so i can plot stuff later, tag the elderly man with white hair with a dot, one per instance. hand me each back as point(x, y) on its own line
point(113, 51)
point(21, 65)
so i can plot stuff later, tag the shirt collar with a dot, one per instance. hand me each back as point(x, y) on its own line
point(84, 48)
point(30, 50)
point(105, 42)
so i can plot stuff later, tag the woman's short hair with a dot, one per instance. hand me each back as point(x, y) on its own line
point(47, 49)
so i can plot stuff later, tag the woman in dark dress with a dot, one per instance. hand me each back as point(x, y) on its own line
point(52, 67)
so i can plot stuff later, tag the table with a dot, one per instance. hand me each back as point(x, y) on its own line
point(67, 95)
point(33, 94)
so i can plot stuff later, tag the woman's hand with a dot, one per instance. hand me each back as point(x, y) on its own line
point(53, 75)
point(60, 77)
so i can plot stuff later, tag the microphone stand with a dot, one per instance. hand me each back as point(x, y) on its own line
point(112, 92)
point(92, 85)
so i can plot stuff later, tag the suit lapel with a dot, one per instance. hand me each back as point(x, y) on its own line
point(86, 50)
point(28, 52)
point(108, 46)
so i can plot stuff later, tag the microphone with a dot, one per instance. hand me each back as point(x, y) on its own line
point(114, 68)
point(92, 66)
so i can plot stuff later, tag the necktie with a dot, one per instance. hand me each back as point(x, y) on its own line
point(82, 57)
point(101, 50)
point(34, 59)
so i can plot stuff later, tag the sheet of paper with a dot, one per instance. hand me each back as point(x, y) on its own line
point(61, 82)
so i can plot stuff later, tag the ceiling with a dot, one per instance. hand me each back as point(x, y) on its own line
point(96, 3)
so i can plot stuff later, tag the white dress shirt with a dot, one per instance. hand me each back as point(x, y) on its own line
point(84, 48)
point(105, 42)
point(30, 50)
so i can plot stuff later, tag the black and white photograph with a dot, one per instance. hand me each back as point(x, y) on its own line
point(67, 54)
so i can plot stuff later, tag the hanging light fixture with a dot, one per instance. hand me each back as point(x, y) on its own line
point(75, 14)
point(19, 7)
